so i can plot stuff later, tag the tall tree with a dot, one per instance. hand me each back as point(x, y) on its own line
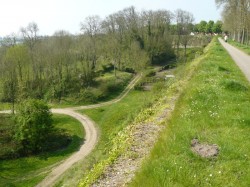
point(91, 27)
point(236, 16)
point(184, 22)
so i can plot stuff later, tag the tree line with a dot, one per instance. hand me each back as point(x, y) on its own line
point(209, 27)
point(236, 19)
point(57, 66)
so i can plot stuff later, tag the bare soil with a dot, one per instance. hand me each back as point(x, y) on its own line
point(122, 171)
point(204, 150)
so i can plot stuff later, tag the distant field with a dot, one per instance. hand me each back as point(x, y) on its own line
point(213, 107)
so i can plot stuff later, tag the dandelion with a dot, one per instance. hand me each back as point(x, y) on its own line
point(211, 175)
point(219, 172)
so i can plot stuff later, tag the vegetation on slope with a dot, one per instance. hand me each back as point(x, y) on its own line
point(111, 120)
point(214, 107)
point(28, 171)
point(243, 47)
point(119, 136)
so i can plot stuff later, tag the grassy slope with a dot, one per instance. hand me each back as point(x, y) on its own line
point(243, 47)
point(29, 171)
point(110, 120)
point(214, 108)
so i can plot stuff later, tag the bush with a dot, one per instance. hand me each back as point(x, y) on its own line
point(129, 70)
point(150, 73)
point(86, 96)
point(33, 125)
point(107, 67)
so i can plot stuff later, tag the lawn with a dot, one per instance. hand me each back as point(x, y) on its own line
point(28, 171)
point(213, 107)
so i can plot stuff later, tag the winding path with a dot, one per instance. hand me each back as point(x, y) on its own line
point(91, 135)
point(240, 58)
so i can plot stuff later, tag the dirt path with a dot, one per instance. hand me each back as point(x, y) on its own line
point(142, 139)
point(120, 97)
point(91, 135)
point(240, 58)
point(91, 139)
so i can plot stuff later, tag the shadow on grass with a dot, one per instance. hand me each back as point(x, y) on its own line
point(63, 146)
point(233, 85)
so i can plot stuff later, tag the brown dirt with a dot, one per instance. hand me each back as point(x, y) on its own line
point(204, 150)
point(122, 171)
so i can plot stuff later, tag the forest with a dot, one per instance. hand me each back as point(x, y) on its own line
point(64, 65)
point(236, 16)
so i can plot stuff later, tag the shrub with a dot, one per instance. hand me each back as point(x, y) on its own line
point(33, 125)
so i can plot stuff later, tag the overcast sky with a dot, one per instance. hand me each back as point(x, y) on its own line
point(54, 15)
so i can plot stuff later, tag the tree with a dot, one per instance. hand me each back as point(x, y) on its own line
point(184, 22)
point(236, 16)
point(217, 27)
point(209, 27)
point(202, 26)
point(91, 27)
point(33, 125)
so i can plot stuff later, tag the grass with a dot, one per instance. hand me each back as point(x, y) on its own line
point(213, 107)
point(243, 47)
point(5, 106)
point(28, 171)
point(111, 121)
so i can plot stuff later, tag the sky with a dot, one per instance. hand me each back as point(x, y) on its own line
point(54, 15)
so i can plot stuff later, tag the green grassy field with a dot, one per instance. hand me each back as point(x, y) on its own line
point(28, 171)
point(214, 107)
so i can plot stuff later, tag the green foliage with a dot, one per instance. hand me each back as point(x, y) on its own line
point(28, 171)
point(209, 27)
point(214, 108)
point(243, 47)
point(150, 73)
point(116, 128)
point(9, 149)
point(217, 27)
point(33, 125)
point(202, 26)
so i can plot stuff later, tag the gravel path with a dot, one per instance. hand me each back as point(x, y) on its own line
point(240, 58)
